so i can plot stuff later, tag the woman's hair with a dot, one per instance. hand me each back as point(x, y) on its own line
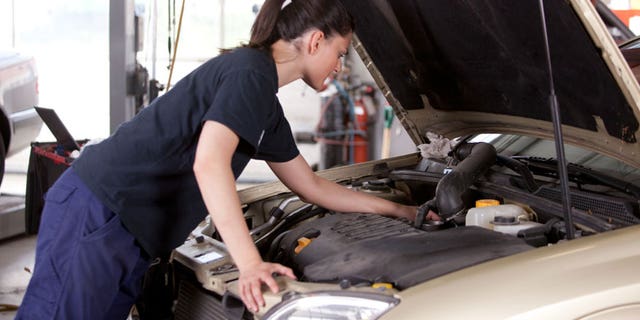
point(298, 16)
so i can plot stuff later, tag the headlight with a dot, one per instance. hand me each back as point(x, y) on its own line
point(333, 306)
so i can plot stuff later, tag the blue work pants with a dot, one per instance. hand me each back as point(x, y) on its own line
point(88, 266)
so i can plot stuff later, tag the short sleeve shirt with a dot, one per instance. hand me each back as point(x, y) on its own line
point(144, 170)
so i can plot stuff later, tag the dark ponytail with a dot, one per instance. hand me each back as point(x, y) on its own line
point(274, 22)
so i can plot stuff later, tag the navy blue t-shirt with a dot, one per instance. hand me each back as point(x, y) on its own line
point(144, 171)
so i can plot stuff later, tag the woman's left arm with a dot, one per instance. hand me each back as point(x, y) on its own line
point(311, 188)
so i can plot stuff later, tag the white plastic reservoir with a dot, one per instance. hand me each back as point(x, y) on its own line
point(513, 229)
point(510, 219)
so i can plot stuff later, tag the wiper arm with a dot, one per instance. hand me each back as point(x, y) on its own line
point(580, 174)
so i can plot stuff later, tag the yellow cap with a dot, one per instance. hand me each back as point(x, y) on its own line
point(487, 203)
point(302, 243)
point(382, 285)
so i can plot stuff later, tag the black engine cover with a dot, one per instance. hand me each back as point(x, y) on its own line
point(367, 248)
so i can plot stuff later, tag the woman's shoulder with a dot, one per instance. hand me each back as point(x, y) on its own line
point(240, 62)
point(248, 61)
point(241, 54)
point(249, 58)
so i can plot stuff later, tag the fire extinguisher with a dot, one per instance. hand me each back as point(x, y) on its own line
point(360, 143)
point(354, 126)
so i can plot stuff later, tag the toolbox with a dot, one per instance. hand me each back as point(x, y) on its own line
point(47, 161)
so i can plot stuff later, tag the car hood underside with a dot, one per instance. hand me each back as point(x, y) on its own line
point(464, 67)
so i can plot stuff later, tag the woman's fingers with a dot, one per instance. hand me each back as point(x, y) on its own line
point(251, 283)
point(433, 216)
point(256, 294)
point(246, 295)
point(286, 271)
point(271, 283)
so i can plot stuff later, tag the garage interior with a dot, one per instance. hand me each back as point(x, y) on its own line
point(100, 76)
point(112, 43)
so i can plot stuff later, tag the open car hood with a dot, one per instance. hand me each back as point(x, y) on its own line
point(464, 67)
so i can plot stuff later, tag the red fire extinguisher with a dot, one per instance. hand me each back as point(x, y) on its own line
point(360, 143)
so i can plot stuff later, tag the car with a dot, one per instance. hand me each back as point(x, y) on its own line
point(19, 122)
point(539, 220)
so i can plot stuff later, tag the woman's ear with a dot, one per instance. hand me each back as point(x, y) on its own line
point(315, 38)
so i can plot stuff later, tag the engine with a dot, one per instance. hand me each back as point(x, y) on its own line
point(363, 249)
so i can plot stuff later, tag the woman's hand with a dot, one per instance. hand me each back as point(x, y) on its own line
point(432, 216)
point(252, 277)
point(410, 212)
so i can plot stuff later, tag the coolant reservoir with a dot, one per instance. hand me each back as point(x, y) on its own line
point(483, 215)
point(513, 228)
point(504, 218)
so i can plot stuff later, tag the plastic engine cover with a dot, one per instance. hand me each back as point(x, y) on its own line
point(367, 248)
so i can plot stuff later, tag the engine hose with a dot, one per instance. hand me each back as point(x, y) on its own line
point(423, 210)
point(275, 215)
point(293, 218)
point(475, 159)
point(274, 246)
point(520, 168)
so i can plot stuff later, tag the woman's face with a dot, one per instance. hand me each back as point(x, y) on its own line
point(327, 59)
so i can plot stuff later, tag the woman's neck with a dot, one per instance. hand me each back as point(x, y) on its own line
point(288, 64)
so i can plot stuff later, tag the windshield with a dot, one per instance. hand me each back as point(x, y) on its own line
point(515, 145)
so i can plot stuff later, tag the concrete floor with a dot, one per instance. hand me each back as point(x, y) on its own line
point(18, 256)
point(17, 253)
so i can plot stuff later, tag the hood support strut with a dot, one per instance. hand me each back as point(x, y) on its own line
point(557, 135)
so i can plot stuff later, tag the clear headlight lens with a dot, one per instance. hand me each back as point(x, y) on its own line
point(333, 306)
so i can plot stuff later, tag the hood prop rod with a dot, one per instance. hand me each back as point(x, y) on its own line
point(557, 135)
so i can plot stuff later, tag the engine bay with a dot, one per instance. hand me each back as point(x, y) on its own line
point(491, 207)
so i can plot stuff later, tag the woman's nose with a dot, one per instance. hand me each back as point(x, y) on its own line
point(338, 67)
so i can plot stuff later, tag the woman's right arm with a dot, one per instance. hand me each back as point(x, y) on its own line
point(212, 168)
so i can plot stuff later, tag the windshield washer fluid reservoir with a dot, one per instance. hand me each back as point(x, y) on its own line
point(513, 229)
point(484, 216)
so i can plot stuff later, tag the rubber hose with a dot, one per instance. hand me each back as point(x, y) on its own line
point(475, 159)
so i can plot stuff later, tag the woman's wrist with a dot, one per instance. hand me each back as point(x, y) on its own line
point(408, 212)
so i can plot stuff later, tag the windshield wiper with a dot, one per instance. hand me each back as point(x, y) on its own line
point(578, 174)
